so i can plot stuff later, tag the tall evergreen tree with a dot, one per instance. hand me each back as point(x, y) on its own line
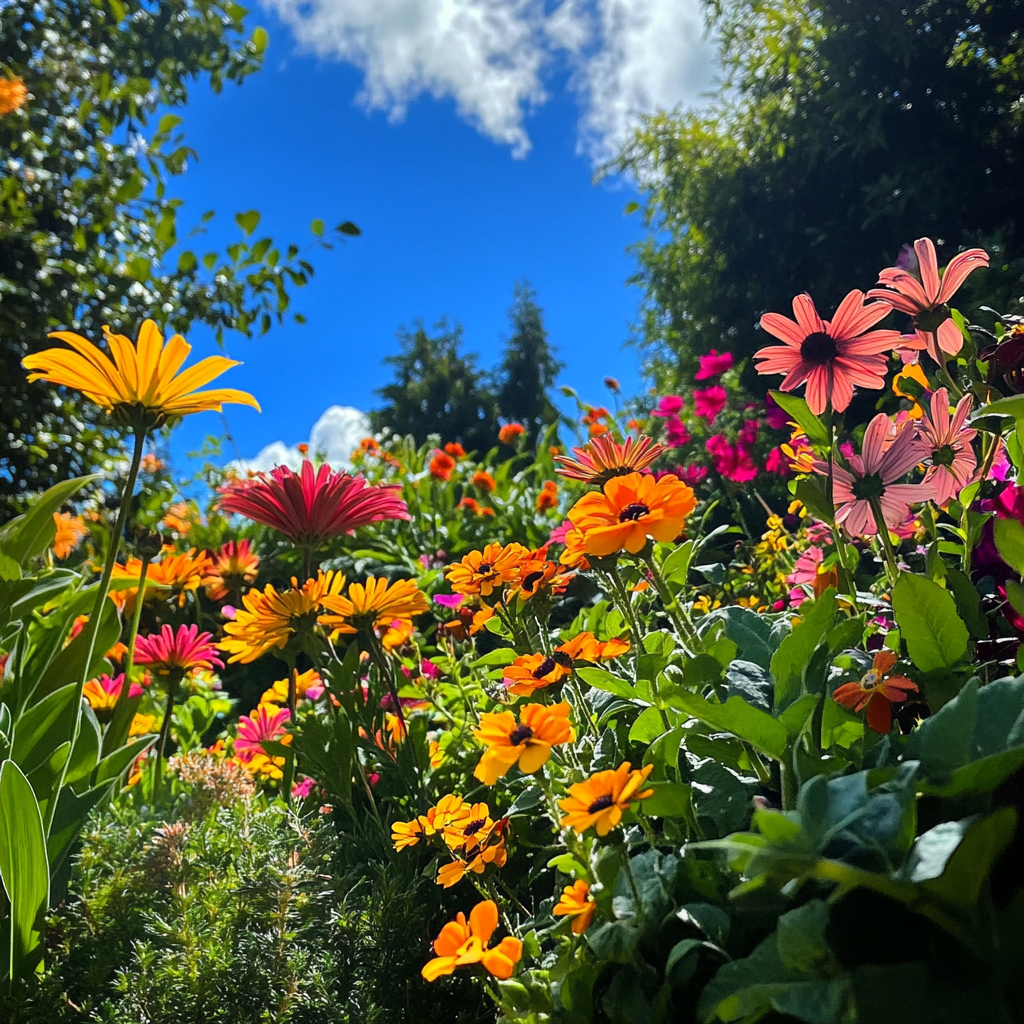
point(437, 390)
point(528, 368)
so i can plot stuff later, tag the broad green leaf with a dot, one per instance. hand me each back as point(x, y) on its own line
point(248, 221)
point(669, 800)
point(926, 614)
point(648, 727)
point(676, 566)
point(1009, 538)
point(30, 535)
point(968, 602)
point(736, 716)
point(43, 727)
point(790, 661)
point(603, 680)
point(797, 408)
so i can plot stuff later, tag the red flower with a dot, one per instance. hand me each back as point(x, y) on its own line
point(511, 432)
point(441, 466)
point(184, 651)
point(877, 692)
point(713, 364)
point(455, 450)
point(310, 506)
point(707, 404)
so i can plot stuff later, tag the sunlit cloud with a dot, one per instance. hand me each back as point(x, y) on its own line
point(334, 436)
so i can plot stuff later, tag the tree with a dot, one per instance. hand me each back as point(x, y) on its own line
point(842, 130)
point(528, 368)
point(437, 390)
point(89, 234)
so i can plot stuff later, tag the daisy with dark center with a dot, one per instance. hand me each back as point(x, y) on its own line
point(600, 801)
point(527, 742)
point(532, 672)
point(483, 572)
point(578, 905)
point(830, 356)
point(266, 723)
point(376, 604)
point(463, 944)
point(877, 691)
point(948, 439)
point(603, 458)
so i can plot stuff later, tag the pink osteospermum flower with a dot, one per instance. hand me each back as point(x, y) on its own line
point(312, 505)
point(948, 439)
point(831, 356)
point(872, 477)
point(103, 693)
point(709, 402)
point(917, 288)
point(713, 364)
point(184, 650)
point(267, 722)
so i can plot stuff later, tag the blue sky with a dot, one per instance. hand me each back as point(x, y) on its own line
point(460, 185)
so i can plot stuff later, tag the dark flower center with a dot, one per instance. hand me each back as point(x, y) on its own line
point(561, 658)
point(932, 319)
point(531, 579)
point(867, 487)
point(634, 512)
point(818, 348)
point(520, 735)
point(484, 568)
point(944, 456)
point(474, 827)
point(544, 668)
point(600, 804)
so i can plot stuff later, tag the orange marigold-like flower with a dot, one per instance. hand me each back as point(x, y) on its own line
point(374, 604)
point(631, 509)
point(469, 504)
point(441, 466)
point(877, 692)
point(483, 572)
point(548, 497)
point(604, 458)
point(576, 903)
point(511, 432)
point(175, 574)
point(448, 809)
point(179, 518)
point(532, 672)
point(12, 95)
point(150, 463)
point(455, 450)
point(233, 567)
point(538, 575)
point(70, 531)
point(463, 943)
point(600, 800)
point(527, 742)
point(483, 481)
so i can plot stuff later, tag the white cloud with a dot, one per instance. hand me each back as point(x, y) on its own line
point(493, 57)
point(333, 436)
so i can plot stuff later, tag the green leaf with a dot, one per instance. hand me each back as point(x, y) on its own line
point(648, 726)
point(790, 661)
point(317, 227)
point(669, 800)
point(736, 716)
point(248, 221)
point(603, 680)
point(259, 40)
point(31, 534)
point(797, 408)
point(24, 868)
point(676, 566)
point(815, 499)
point(926, 614)
point(1009, 538)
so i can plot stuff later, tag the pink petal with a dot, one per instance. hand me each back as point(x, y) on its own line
point(894, 511)
point(873, 448)
point(784, 328)
point(853, 317)
point(842, 389)
point(963, 410)
point(806, 315)
point(910, 494)
point(866, 371)
point(903, 454)
point(796, 376)
point(959, 267)
point(818, 389)
point(859, 521)
point(907, 285)
point(950, 338)
point(939, 416)
point(929, 267)
point(777, 359)
point(897, 301)
point(871, 344)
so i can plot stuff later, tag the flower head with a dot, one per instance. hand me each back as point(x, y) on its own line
point(548, 497)
point(527, 742)
point(267, 722)
point(232, 568)
point(532, 672)
point(312, 505)
point(70, 531)
point(709, 402)
point(603, 458)
point(830, 356)
point(141, 386)
point(455, 450)
point(483, 572)
point(308, 686)
point(175, 574)
point(577, 904)
point(441, 466)
point(948, 440)
point(483, 481)
point(629, 510)
point(12, 95)
point(103, 693)
point(510, 433)
point(183, 651)
point(463, 943)
point(600, 800)
point(918, 289)
point(377, 603)
point(877, 691)
point(714, 364)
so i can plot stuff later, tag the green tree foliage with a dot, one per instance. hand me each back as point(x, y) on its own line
point(89, 234)
point(528, 368)
point(842, 130)
point(437, 390)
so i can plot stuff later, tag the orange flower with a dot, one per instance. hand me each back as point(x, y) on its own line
point(483, 572)
point(462, 943)
point(603, 458)
point(175, 574)
point(483, 481)
point(150, 463)
point(12, 95)
point(877, 691)
point(376, 603)
point(178, 518)
point(912, 371)
point(455, 450)
point(448, 809)
point(441, 466)
point(302, 449)
point(600, 800)
point(232, 568)
point(70, 531)
point(532, 672)
point(470, 505)
point(548, 497)
point(539, 575)
point(631, 509)
point(528, 741)
point(510, 433)
point(576, 903)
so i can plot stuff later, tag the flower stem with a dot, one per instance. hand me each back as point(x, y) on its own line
point(118, 731)
point(883, 533)
point(165, 730)
point(623, 601)
point(686, 630)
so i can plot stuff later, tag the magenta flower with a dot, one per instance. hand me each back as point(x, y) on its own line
point(184, 651)
point(953, 462)
point(693, 475)
point(669, 405)
point(713, 364)
point(448, 600)
point(914, 286)
point(777, 462)
point(777, 417)
point(310, 506)
point(871, 480)
point(676, 433)
point(265, 723)
point(709, 402)
point(303, 788)
point(805, 572)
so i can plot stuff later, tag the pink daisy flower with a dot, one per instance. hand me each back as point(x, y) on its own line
point(713, 364)
point(949, 442)
point(183, 651)
point(915, 286)
point(668, 405)
point(709, 402)
point(872, 478)
point(265, 723)
point(831, 356)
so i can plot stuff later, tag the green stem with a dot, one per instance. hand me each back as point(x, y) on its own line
point(165, 730)
point(622, 600)
point(688, 633)
point(883, 533)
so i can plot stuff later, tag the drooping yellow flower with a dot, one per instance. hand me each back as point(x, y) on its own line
point(70, 531)
point(142, 725)
point(141, 385)
point(307, 685)
point(576, 903)
point(448, 809)
point(463, 943)
point(269, 619)
point(378, 603)
point(600, 800)
point(528, 741)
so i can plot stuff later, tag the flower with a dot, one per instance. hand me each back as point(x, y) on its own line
point(603, 458)
point(709, 402)
point(141, 386)
point(233, 567)
point(776, 462)
point(70, 531)
point(600, 800)
point(102, 693)
point(265, 723)
point(693, 475)
point(733, 461)
point(949, 440)
point(877, 691)
point(830, 356)
point(629, 510)
point(308, 685)
point(312, 505)
point(469, 504)
point(176, 573)
point(677, 434)
point(528, 741)
point(917, 288)
point(511, 432)
point(375, 603)
point(462, 943)
point(269, 619)
point(548, 497)
point(799, 452)
point(179, 518)
point(483, 481)
point(482, 572)
point(441, 466)
point(150, 463)
point(532, 672)
point(183, 651)
point(141, 725)
point(872, 479)
point(713, 364)
point(448, 809)
point(12, 95)
point(668, 405)
point(901, 387)
point(576, 903)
